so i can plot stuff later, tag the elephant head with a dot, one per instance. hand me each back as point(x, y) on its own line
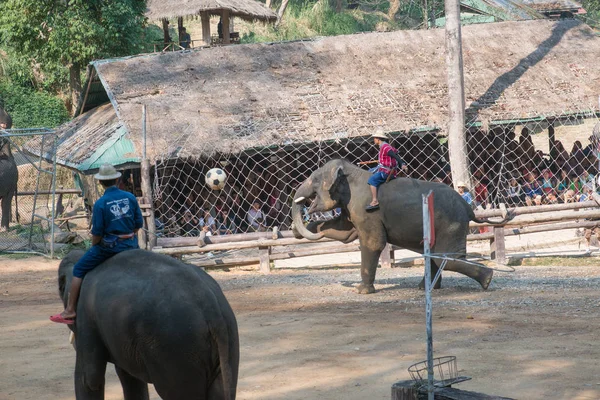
point(326, 189)
point(5, 119)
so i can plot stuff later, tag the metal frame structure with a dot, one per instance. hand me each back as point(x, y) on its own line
point(45, 134)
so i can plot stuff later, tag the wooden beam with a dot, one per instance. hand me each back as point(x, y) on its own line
point(496, 212)
point(205, 19)
point(536, 228)
point(265, 262)
point(225, 26)
point(548, 217)
point(498, 246)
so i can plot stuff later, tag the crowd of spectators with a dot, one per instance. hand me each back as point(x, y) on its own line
point(504, 169)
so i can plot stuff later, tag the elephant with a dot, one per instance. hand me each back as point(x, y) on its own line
point(340, 184)
point(158, 320)
point(9, 175)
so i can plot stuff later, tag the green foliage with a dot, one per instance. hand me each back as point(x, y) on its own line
point(31, 108)
point(315, 19)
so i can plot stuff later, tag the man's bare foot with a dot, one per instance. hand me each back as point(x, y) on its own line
point(68, 315)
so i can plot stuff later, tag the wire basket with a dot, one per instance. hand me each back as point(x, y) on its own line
point(445, 371)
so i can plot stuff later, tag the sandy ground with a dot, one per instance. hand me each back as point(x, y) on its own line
point(305, 334)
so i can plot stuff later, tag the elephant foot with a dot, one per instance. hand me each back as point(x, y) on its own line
point(365, 289)
point(486, 278)
point(438, 284)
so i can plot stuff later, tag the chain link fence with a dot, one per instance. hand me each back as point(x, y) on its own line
point(532, 161)
point(27, 184)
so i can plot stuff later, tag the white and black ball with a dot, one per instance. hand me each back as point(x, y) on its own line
point(215, 178)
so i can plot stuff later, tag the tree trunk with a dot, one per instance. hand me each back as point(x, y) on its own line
point(339, 5)
point(268, 4)
point(457, 143)
point(425, 15)
point(180, 28)
point(394, 7)
point(75, 86)
point(165, 26)
point(281, 11)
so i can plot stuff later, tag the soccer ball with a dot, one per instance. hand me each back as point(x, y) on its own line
point(215, 178)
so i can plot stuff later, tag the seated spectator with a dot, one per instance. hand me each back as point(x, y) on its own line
point(552, 198)
point(275, 207)
point(481, 193)
point(575, 185)
point(463, 190)
point(515, 194)
point(587, 179)
point(207, 223)
point(588, 190)
point(547, 181)
point(226, 223)
point(532, 187)
point(189, 224)
point(569, 196)
point(564, 181)
point(256, 218)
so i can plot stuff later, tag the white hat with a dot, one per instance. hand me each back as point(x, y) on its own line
point(461, 184)
point(107, 172)
point(379, 134)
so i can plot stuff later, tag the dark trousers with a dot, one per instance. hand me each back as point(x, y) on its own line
point(97, 254)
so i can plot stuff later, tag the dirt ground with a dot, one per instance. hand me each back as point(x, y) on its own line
point(305, 334)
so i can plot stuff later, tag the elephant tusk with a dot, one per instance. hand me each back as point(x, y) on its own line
point(299, 200)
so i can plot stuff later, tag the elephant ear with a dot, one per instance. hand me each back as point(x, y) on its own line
point(340, 189)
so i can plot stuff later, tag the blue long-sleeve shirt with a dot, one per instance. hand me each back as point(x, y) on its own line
point(117, 212)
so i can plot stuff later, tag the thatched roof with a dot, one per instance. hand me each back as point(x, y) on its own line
point(236, 97)
point(245, 9)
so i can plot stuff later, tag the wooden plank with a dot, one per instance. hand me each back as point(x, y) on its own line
point(402, 391)
point(496, 212)
point(548, 217)
point(238, 237)
point(536, 228)
point(265, 262)
point(498, 246)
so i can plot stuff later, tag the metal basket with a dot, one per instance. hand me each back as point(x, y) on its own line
point(445, 371)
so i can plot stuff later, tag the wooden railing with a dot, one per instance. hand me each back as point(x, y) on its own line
point(276, 245)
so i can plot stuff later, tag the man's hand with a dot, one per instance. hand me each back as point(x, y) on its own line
point(404, 167)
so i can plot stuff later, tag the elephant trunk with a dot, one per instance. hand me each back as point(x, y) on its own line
point(298, 226)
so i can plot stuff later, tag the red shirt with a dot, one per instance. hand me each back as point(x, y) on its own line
point(388, 163)
point(481, 192)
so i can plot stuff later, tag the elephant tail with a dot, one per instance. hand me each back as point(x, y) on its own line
point(17, 206)
point(222, 337)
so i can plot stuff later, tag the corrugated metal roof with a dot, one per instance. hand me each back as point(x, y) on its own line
point(552, 5)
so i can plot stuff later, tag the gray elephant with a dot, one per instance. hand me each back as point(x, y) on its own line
point(398, 221)
point(9, 174)
point(158, 321)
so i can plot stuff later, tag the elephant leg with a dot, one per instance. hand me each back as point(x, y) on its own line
point(370, 250)
point(434, 270)
point(6, 211)
point(483, 275)
point(90, 365)
point(89, 378)
point(133, 388)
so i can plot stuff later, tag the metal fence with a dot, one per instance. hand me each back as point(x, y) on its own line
point(27, 184)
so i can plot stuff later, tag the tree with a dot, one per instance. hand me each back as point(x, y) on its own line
point(70, 33)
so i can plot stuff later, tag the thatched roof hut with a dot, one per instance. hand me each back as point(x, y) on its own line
point(249, 10)
point(232, 98)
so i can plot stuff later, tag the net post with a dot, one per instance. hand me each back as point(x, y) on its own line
point(428, 302)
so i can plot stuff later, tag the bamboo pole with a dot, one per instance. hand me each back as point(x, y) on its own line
point(496, 212)
point(457, 139)
point(536, 229)
point(234, 246)
point(547, 217)
point(147, 187)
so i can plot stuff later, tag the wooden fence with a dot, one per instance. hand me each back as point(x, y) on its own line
point(278, 245)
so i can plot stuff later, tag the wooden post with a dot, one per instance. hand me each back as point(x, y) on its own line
point(405, 390)
point(147, 187)
point(205, 19)
point(265, 262)
point(498, 246)
point(225, 26)
point(457, 143)
point(387, 257)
